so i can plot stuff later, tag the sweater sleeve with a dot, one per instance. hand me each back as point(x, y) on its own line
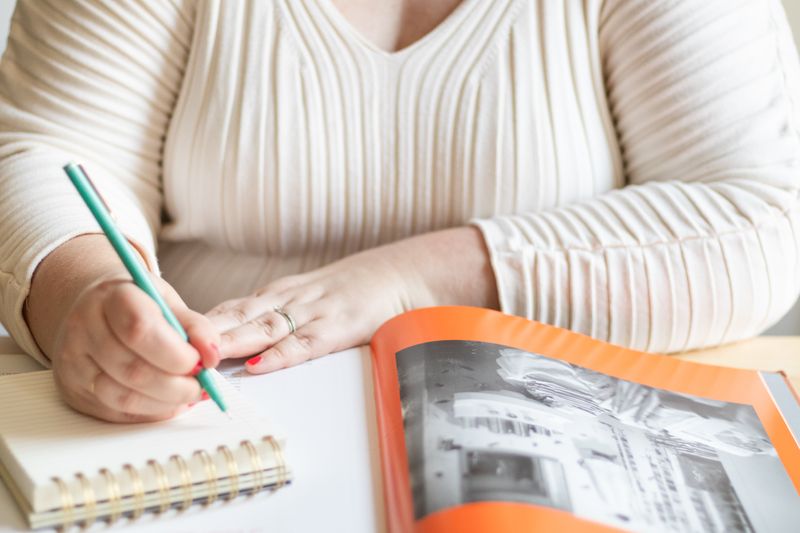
point(702, 246)
point(93, 82)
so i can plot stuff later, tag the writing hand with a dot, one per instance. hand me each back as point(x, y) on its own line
point(116, 357)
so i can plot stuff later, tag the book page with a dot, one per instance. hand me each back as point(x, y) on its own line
point(41, 438)
point(488, 419)
point(486, 422)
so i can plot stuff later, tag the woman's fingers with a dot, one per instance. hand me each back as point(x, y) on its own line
point(92, 407)
point(261, 332)
point(308, 342)
point(136, 320)
point(233, 313)
point(138, 374)
point(73, 367)
point(81, 384)
point(118, 397)
point(237, 312)
point(332, 308)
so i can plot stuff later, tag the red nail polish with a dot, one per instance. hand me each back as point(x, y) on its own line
point(197, 369)
point(204, 396)
point(215, 353)
point(254, 360)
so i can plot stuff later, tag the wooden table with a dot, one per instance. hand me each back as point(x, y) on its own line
point(761, 353)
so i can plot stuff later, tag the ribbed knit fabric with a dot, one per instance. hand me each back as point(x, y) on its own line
point(633, 166)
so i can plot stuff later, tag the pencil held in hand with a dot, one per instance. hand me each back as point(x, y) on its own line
point(129, 257)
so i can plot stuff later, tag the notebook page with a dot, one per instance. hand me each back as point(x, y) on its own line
point(41, 437)
point(12, 360)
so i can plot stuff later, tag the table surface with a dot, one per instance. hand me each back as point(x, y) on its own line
point(326, 409)
point(761, 353)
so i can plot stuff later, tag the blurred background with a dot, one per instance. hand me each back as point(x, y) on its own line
point(790, 325)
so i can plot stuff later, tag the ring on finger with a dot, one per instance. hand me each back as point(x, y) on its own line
point(287, 317)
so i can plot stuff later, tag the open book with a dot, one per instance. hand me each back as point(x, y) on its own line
point(489, 422)
point(65, 468)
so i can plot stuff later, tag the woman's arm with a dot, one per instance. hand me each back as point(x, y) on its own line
point(703, 246)
point(78, 81)
point(93, 82)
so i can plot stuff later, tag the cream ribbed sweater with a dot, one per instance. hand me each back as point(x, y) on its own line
point(633, 165)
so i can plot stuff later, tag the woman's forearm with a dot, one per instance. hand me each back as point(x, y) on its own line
point(452, 264)
point(61, 277)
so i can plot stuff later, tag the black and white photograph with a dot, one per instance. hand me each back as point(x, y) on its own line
point(486, 422)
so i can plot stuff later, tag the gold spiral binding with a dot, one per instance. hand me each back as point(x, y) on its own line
point(89, 501)
point(66, 503)
point(255, 465)
point(138, 492)
point(211, 476)
point(233, 471)
point(278, 451)
point(163, 485)
point(114, 499)
point(186, 481)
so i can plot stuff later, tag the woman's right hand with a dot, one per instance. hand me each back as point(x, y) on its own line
point(115, 356)
point(118, 359)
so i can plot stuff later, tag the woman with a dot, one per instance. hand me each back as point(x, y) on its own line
point(627, 170)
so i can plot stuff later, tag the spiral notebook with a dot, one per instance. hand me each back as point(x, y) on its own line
point(66, 468)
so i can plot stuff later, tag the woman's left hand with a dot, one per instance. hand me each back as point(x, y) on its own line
point(341, 305)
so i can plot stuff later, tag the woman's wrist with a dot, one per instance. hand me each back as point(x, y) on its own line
point(447, 267)
point(60, 279)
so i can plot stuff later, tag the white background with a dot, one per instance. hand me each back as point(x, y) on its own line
point(790, 325)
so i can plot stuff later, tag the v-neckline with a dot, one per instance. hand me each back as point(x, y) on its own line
point(348, 30)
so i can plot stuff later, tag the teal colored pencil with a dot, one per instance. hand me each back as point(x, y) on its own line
point(131, 261)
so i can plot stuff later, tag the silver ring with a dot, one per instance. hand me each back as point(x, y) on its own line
point(288, 317)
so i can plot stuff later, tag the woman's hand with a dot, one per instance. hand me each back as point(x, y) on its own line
point(342, 304)
point(334, 307)
point(117, 358)
point(114, 355)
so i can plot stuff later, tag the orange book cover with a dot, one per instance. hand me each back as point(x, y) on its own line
point(489, 422)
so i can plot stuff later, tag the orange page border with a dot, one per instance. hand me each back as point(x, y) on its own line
point(474, 324)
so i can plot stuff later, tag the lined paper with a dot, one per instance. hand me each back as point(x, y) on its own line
point(17, 363)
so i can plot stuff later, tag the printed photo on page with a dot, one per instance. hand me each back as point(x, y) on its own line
point(485, 422)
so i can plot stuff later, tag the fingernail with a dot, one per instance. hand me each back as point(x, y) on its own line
point(254, 360)
point(204, 396)
point(192, 404)
point(215, 353)
point(197, 368)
